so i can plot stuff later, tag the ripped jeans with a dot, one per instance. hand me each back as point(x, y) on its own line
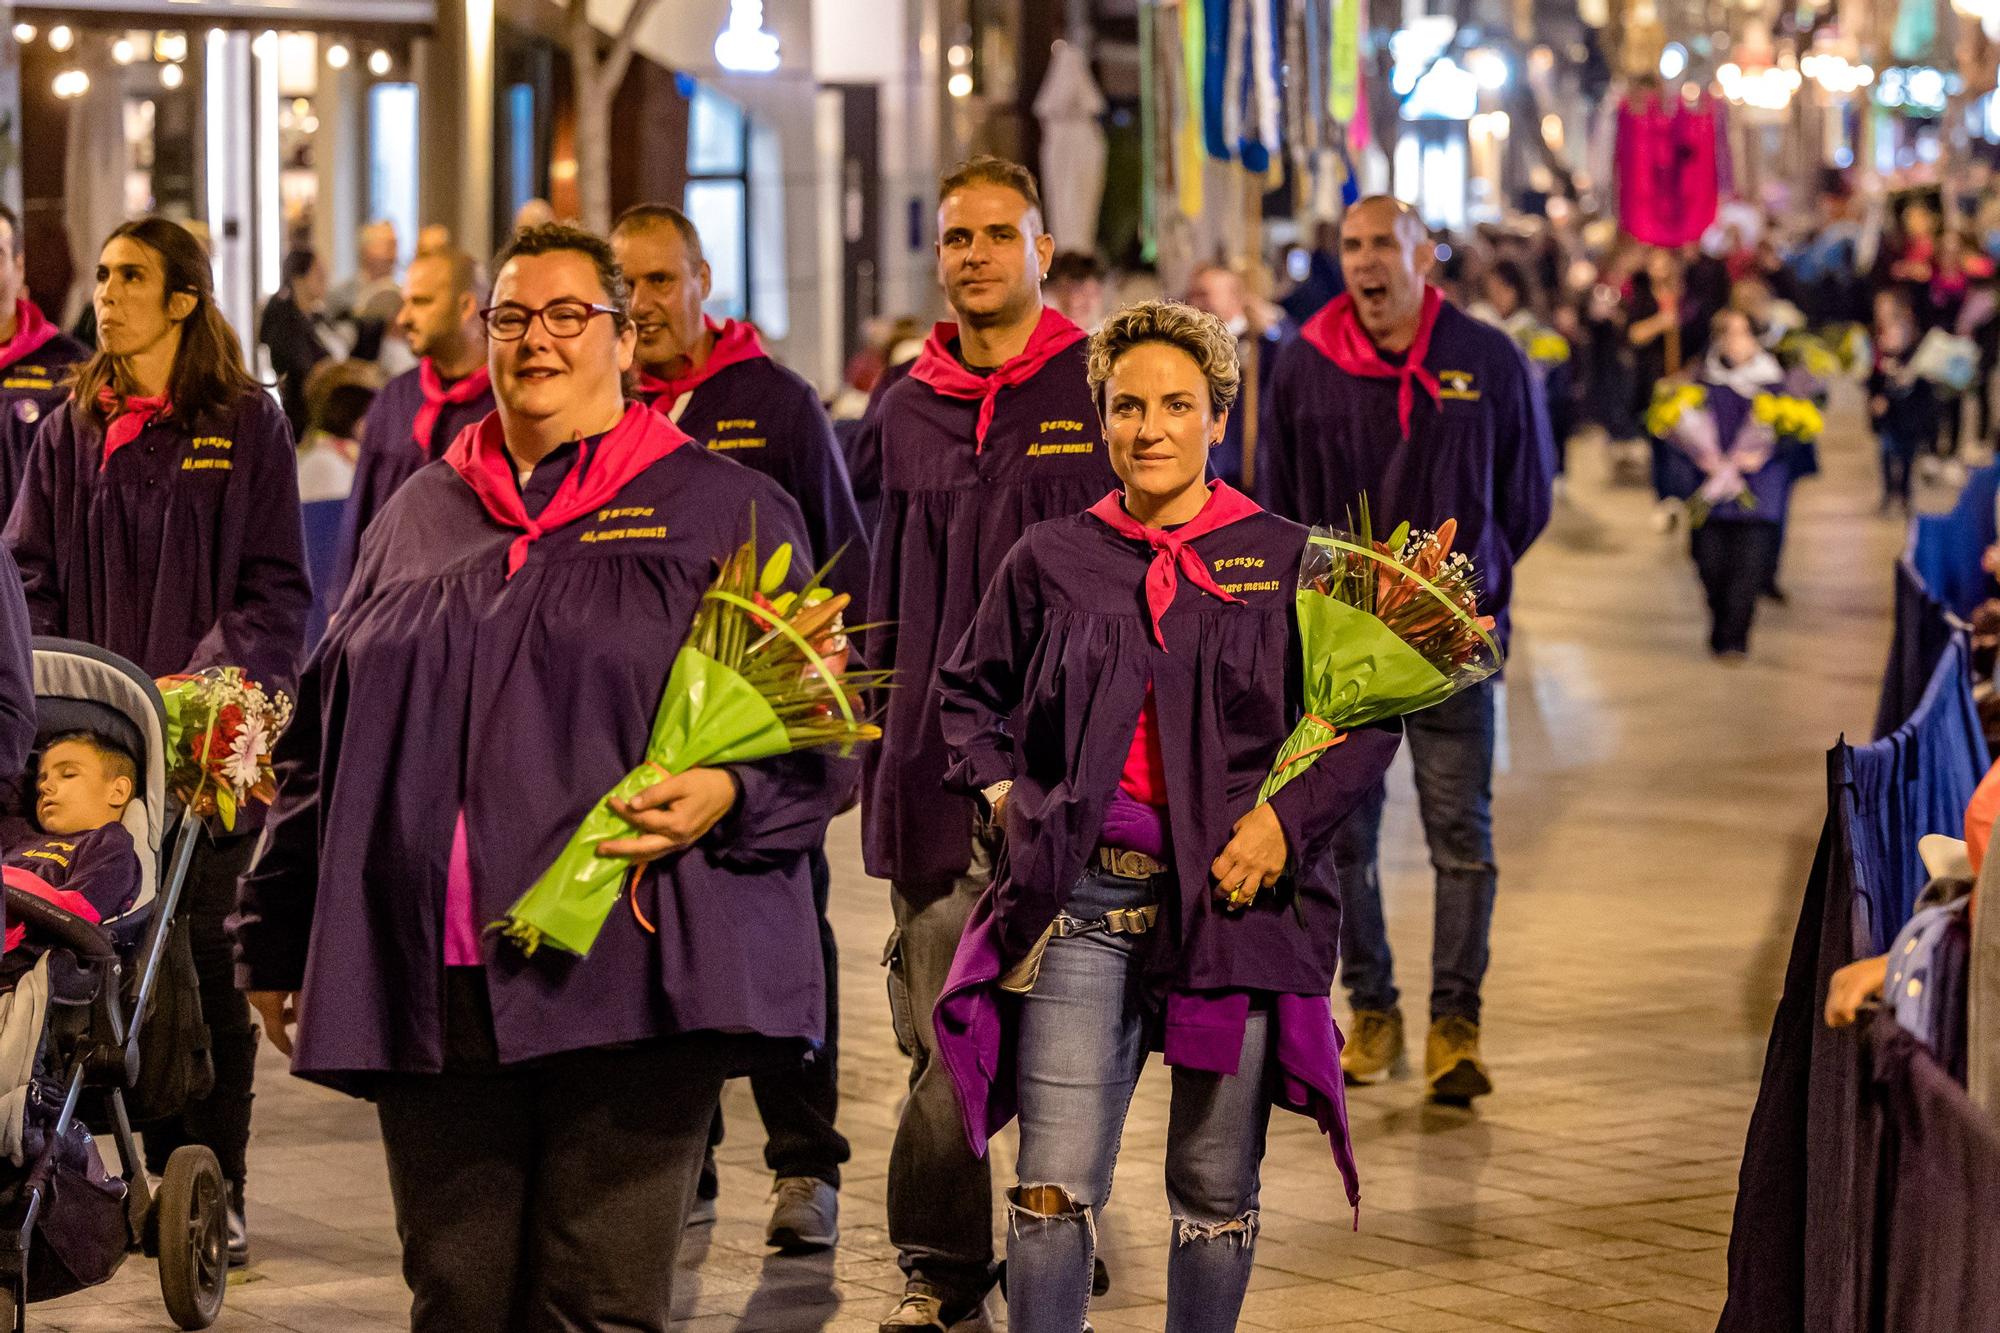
point(1082, 1041)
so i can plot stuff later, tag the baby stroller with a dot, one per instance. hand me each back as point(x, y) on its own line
point(65, 1223)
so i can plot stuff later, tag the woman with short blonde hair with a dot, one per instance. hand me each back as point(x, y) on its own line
point(1118, 702)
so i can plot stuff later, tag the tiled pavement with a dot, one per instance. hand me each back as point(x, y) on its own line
point(1657, 815)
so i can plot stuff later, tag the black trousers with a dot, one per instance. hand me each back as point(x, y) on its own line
point(797, 1102)
point(551, 1195)
point(1898, 451)
point(1738, 559)
point(221, 1120)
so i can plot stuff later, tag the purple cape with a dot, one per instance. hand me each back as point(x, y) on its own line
point(30, 389)
point(444, 685)
point(390, 456)
point(100, 863)
point(17, 675)
point(949, 517)
point(863, 445)
point(766, 417)
point(1483, 454)
point(1045, 690)
point(184, 551)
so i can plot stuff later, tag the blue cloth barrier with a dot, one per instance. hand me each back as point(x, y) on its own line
point(1923, 626)
point(1804, 1250)
point(1914, 781)
point(1946, 548)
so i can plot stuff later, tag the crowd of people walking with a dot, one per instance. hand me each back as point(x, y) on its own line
point(486, 499)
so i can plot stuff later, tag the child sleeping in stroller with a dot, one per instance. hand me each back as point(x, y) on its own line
point(76, 853)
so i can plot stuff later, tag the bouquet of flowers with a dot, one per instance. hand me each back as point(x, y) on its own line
point(1811, 353)
point(1546, 347)
point(221, 726)
point(1789, 416)
point(1855, 349)
point(1670, 403)
point(1388, 628)
point(763, 673)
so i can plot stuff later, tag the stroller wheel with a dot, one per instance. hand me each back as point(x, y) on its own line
point(191, 1215)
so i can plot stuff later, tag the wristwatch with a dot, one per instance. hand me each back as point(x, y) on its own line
point(990, 797)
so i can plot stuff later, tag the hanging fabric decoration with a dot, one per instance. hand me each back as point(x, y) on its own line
point(1155, 109)
point(1234, 78)
point(1261, 140)
point(1344, 99)
point(1668, 169)
point(1357, 127)
point(1191, 125)
point(1069, 105)
point(1301, 113)
point(1220, 16)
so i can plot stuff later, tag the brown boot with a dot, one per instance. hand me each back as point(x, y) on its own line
point(1374, 1050)
point(1453, 1072)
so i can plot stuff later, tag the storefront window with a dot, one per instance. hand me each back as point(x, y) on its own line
point(716, 207)
point(518, 147)
point(392, 160)
point(715, 135)
point(718, 197)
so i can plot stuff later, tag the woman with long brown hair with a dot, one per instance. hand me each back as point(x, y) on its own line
point(159, 518)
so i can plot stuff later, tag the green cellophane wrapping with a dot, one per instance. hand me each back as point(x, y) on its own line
point(708, 715)
point(1357, 671)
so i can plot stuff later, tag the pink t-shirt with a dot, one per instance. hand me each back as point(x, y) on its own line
point(1145, 775)
point(461, 928)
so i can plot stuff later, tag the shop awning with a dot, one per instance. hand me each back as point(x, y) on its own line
point(239, 13)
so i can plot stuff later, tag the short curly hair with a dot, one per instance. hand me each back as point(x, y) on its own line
point(559, 237)
point(1201, 335)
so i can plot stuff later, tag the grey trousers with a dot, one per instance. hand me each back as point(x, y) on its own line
point(940, 1195)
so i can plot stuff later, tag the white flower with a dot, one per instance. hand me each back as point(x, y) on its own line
point(244, 762)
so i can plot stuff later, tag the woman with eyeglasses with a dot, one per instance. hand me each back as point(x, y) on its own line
point(159, 518)
point(493, 670)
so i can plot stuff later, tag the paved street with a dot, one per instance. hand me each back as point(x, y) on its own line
point(1657, 817)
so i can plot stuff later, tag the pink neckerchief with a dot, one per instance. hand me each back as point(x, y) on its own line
point(437, 394)
point(128, 416)
point(937, 367)
point(1336, 330)
point(1173, 555)
point(641, 438)
point(735, 342)
point(31, 330)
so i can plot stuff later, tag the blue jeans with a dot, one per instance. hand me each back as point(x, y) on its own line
point(1451, 749)
point(1082, 1040)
